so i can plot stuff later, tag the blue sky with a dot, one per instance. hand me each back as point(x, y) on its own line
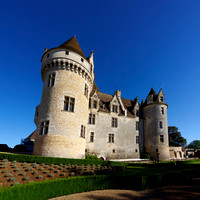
point(137, 45)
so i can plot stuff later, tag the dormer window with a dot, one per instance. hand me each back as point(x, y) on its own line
point(82, 60)
point(67, 52)
point(161, 99)
point(114, 108)
point(94, 104)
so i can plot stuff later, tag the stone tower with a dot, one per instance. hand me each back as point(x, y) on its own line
point(155, 126)
point(62, 115)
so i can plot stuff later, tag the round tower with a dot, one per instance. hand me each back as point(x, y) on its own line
point(63, 112)
point(155, 126)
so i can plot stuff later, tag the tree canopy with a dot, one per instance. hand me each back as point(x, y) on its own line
point(194, 144)
point(175, 138)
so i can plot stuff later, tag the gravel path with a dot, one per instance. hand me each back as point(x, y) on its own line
point(190, 191)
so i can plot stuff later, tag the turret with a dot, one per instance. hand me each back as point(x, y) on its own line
point(63, 112)
point(155, 126)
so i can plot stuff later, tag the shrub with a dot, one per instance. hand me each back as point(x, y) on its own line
point(5, 160)
point(11, 179)
point(31, 182)
point(5, 171)
point(16, 183)
point(46, 172)
point(91, 157)
point(65, 170)
point(51, 175)
point(56, 171)
point(16, 170)
point(2, 167)
point(40, 176)
point(35, 172)
point(62, 174)
point(25, 178)
point(72, 174)
point(22, 174)
point(51, 168)
point(41, 169)
point(8, 175)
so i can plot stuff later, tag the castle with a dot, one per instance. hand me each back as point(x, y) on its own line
point(74, 118)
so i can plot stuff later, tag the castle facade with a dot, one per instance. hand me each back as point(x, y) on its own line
point(74, 118)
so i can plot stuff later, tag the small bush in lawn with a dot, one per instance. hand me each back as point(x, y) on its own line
point(30, 169)
point(16, 183)
point(3, 163)
point(31, 182)
point(56, 171)
point(41, 169)
point(60, 168)
point(16, 170)
point(46, 166)
point(46, 172)
point(32, 164)
point(22, 174)
point(51, 168)
point(3, 166)
point(11, 179)
point(72, 174)
point(51, 175)
point(5, 160)
point(23, 164)
point(5, 171)
point(40, 176)
point(55, 166)
point(51, 164)
point(62, 174)
point(14, 161)
point(8, 175)
point(42, 164)
point(14, 166)
point(65, 170)
point(26, 178)
point(35, 166)
point(35, 172)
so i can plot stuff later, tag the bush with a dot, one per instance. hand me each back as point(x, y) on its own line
point(56, 161)
point(91, 157)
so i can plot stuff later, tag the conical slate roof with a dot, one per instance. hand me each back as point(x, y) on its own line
point(152, 91)
point(72, 44)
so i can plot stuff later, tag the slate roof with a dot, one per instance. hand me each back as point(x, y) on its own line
point(32, 135)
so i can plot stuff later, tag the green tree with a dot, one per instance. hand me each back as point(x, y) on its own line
point(194, 144)
point(175, 138)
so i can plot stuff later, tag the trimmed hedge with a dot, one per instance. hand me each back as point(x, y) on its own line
point(53, 160)
point(65, 186)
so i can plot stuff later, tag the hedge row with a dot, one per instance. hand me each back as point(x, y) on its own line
point(65, 186)
point(53, 160)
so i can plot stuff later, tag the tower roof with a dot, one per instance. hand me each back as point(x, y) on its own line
point(152, 91)
point(72, 44)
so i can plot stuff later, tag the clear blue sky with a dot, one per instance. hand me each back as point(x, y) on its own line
point(137, 45)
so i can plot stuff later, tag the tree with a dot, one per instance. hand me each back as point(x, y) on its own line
point(175, 138)
point(194, 144)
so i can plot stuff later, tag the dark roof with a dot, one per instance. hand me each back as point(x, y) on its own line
point(152, 91)
point(32, 135)
point(72, 44)
point(105, 100)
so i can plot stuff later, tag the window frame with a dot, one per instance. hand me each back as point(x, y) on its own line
point(137, 126)
point(51, 79)
point(114, 122)
point(160, 124)
point(111, 138)
point(92, 137)
point(69, 104)
point(92, 119)
point(86, 90)
point(115, 108)
point(82, 133)
point(162, 110)
point(161, 138)
point(137, 139)
point(44, 127)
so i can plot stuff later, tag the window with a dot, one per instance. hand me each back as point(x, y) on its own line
point(160, 124)
point(111, 138)
point(136, 125)
point(137, 139)
point(82, 60)
point(114, 108)
point(51, 80)
point(91, 119)
point(113, 150)
point(161, 138)
point(137, 113)
point(47, 55)
point(69, 104)
point(136, 150)
point(90, 103)
point(86, 91)
point(92, 137)
point(114, 122)
point(67, 52)
point(44, 126)
point(94, 104)
point(162, 110)
point(82, 131)
point(161, 99)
